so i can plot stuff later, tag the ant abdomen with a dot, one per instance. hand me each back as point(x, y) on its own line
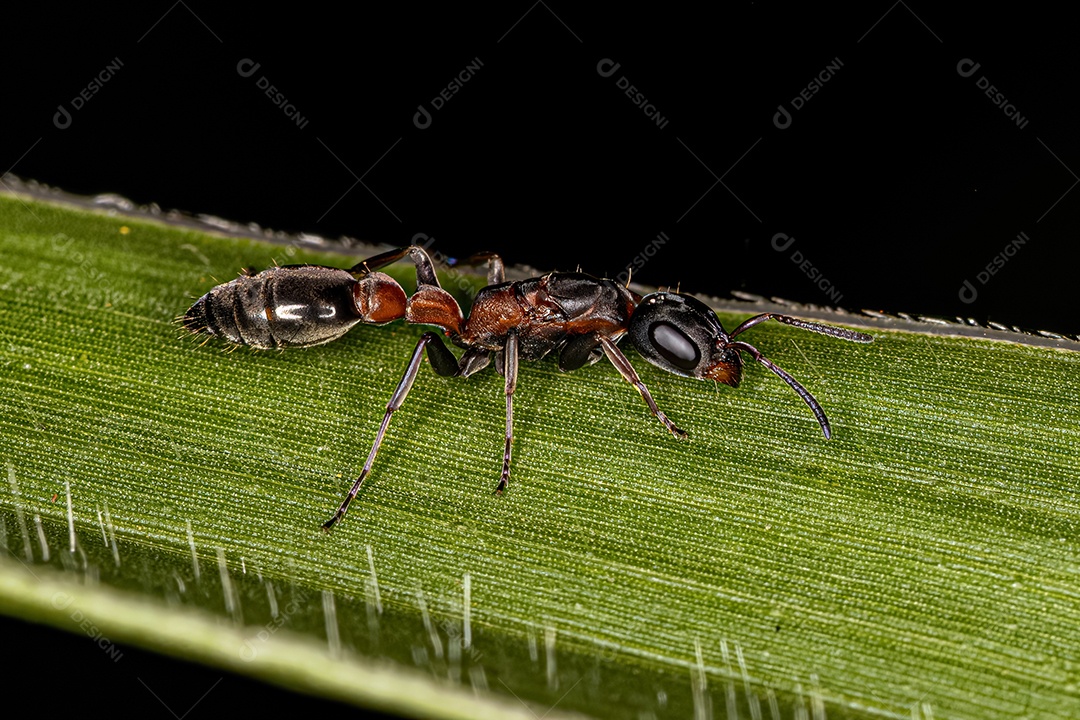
point(294, 306)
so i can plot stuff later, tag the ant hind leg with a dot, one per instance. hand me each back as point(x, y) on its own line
point(442, 361)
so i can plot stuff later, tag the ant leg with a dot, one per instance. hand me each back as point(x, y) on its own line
point(425, 269)
point(496, 269)
point(376, 262)
point(442, 360)
point(473, 361)
point(580, 351)
point(630, 375)
point(436, 352)
point(809, 399)
point(842, 333)
point(510, 366)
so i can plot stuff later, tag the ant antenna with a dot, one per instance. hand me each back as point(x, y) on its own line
point(809, 399)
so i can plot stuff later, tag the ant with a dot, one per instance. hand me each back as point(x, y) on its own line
point(579, 317)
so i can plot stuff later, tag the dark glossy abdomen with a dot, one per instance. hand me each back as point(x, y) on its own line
point(291, 306)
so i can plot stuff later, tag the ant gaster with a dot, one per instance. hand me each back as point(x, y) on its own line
point(580, 317)
point(296, 305)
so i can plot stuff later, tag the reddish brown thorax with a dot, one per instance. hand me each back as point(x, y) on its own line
point(498, 309)
point(545, 310)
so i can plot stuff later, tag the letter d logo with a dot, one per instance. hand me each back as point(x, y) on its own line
point(782, 118)
point(62, 118)
point(422, 118)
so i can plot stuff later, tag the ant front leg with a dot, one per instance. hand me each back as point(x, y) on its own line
point(625, 369)
point(443, 363)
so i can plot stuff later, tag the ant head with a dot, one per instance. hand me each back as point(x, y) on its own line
point(682, 335)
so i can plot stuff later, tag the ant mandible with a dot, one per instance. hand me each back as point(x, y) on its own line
point(579, 317)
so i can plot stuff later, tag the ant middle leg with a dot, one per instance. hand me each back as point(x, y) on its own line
point(510, 369)
point(473, 361)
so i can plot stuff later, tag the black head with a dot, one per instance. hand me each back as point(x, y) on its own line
point(682, 335)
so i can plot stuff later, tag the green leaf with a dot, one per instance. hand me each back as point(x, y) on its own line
point(922, 563)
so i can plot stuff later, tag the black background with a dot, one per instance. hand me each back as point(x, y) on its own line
point(899, 180)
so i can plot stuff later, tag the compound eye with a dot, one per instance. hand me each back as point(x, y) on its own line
point(674, 345)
